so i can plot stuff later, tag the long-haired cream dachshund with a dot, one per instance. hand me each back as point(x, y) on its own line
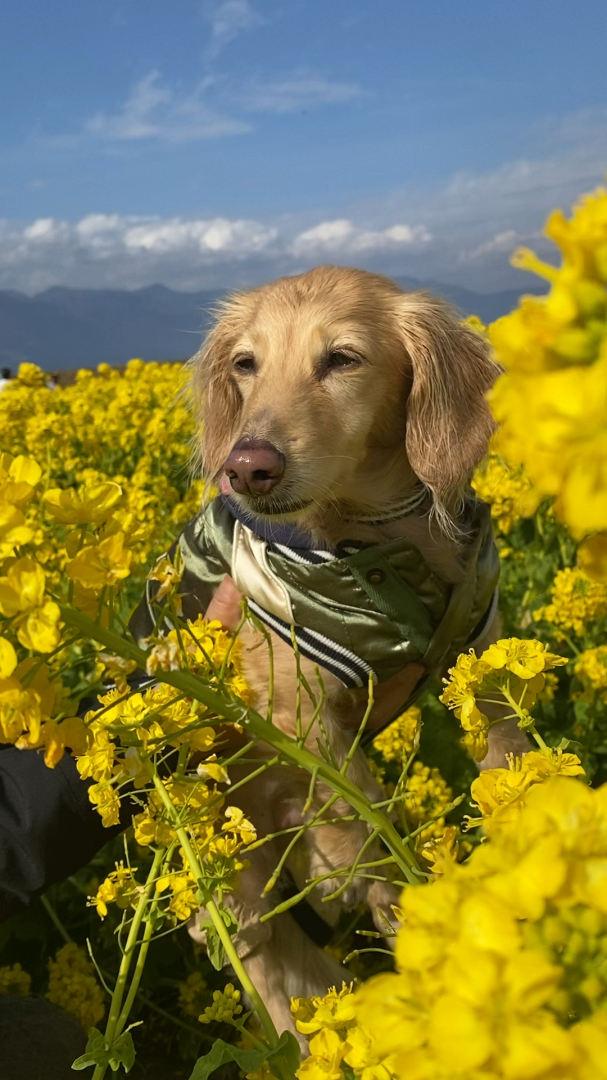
point(341, 419)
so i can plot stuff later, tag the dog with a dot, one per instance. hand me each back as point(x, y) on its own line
point(341, 419)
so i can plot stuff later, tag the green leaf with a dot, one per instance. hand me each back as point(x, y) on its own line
point(284, 1058)
point(123, 1053)
point(247, 1060)
point(215, 950)
point(95, 1053)
point(98, 1052)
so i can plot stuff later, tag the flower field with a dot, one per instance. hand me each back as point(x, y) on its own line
point(500, 964)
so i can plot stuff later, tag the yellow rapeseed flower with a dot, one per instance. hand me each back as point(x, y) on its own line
point(576, 601)
point(338, 1037)
point(14, 980)
point(73, 986)
point(591, 669)
point(192, 994)
point(551, 402)
point(399, 739)
point(23, 599)
point(92, 504)
point(120, 888)
point(104, 563)
point(427, 796)
point(513, 665)
point(508, 491)
point(8, 658)
point(501, 971)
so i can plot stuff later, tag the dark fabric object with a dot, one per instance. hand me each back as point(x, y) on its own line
point(37, 1040)
point(48, 827)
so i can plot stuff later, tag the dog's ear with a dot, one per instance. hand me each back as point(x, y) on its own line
point(217, 401)
point(448, 423)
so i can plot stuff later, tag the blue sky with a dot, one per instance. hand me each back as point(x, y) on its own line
point(222, 142)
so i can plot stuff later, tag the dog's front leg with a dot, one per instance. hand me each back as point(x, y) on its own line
point(278, 956)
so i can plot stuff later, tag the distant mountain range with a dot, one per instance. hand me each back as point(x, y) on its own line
point(68, 328)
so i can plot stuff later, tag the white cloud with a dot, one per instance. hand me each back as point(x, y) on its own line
point(297, 92)
point(462, 232)
point(228, 19)
point(155, 111)
point(218, 236)
point(343, 237)
point(111, 250)
point(46, 231)
point(502, 242)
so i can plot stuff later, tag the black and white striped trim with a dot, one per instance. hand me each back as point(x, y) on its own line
point(345, 665)
point(302, 555)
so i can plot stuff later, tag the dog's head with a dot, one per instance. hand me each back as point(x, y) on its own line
point(337, 386)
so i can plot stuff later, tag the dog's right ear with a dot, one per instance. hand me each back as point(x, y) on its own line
point(217, 401)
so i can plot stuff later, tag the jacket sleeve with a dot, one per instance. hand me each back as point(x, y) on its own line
point(203, 570)
point(48, 827)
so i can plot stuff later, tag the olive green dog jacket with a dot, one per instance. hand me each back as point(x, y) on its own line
point(362, 611)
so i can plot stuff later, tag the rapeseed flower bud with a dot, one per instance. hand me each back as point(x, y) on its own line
point(225, 1006)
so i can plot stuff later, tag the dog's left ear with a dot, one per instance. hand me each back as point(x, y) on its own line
point(448, 420)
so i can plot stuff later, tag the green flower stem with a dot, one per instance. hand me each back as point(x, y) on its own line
point(53, 916)
point(247, 984)
point(521, 715)
point(228, 708)
point(215, 914)
point(117, 996)
point(134, 987)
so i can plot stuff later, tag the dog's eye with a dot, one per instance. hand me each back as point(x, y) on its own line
point(337, 361)
point(245, 363)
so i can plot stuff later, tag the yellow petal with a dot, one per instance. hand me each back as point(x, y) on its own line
point(25, 470)
point(8, 658)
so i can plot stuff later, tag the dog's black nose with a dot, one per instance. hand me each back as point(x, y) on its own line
point(254, 466)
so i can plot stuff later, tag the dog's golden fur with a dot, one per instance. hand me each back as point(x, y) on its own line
point(405, 400)
point(414, 408)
